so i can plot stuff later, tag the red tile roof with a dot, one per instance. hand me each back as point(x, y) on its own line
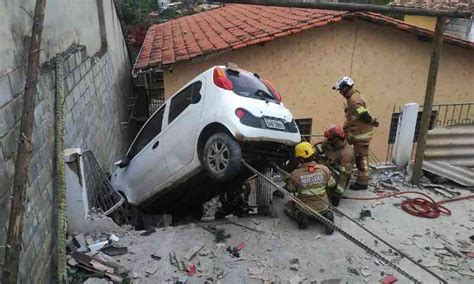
point(442, 5)
point(236, 26)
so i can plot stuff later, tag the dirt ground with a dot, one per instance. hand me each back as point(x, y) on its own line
point(281, 253)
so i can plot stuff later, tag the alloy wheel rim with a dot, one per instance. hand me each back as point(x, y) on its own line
point(218, 157)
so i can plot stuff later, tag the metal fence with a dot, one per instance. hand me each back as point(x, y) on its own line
point(100, 193)
point(441, 115)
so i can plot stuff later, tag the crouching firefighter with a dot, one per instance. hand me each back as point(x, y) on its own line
point(359, 128)
point(335, 153)
point(310, 182)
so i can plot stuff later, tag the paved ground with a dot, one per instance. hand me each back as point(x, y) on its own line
point(267, 256)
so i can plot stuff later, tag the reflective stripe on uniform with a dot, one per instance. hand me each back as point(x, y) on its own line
point(314, 191)
point(340, 189)
point(361, 110)
point(331, 182)
point(363, 136)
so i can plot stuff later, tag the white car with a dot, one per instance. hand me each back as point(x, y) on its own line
point(220, 117)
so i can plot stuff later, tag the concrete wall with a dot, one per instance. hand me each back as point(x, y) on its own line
point(97, 87)
point(389, 67)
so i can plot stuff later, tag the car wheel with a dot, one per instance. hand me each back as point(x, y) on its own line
point(222, 157)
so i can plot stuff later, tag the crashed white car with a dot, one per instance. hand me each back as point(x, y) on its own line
point(220, 117)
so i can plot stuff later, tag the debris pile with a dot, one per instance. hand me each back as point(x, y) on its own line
point(92, 257)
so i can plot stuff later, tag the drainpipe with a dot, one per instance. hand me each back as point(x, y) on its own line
point(59, 169)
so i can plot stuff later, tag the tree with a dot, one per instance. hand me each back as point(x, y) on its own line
point(20, 179)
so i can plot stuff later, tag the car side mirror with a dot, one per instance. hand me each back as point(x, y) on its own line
point(123, 163)
point(196, 98)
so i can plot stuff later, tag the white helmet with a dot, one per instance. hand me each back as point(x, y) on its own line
point(343, 81)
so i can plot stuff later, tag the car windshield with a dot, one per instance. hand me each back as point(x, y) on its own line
point(246, 84)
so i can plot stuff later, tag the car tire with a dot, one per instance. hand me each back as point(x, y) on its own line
point(222, 157)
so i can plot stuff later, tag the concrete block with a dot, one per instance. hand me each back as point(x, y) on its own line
point(39, 113)
point(10, 171)
point(82, 86)
point(77, 94)
point(49, 190)
point(28, 257)
point(17, 108)
point(44, 179)
point(6, 94)
point(46, 154)
point(77, 75)
point(66, 68)
point(69, 102)
point(3, 240)
point(37, 139)
point(6, 121)
point(70, 82)
point(5, 203)
point(68, 121)
point(72, 62)
point(83, 69)
point(42, 206)
point(10, 142)
point(88, 64)
point(30, 226)
point(42, 262)
point(34, 167)
point(32, 198)
point(18, 80)
point(78, 57)
point(42, 234)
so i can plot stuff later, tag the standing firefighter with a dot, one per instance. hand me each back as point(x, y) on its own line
point(310, 182)
point(359, 128)
point(335, 153)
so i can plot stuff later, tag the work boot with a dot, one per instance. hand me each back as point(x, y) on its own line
point(303, 221)
point(358, 186)
point(334, 199)
point(330, 216)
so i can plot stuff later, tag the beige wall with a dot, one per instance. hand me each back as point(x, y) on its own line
point(421, 21)
point(389, 67)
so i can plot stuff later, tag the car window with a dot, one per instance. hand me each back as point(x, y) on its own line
point(183, 99)
point(246, 84)
point(151, 129)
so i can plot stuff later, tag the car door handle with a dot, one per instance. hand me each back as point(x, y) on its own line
point(155, 145)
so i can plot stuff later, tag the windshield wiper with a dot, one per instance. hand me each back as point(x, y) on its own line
point(264, 95)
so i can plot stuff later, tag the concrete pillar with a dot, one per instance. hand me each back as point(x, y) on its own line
point(405, 133)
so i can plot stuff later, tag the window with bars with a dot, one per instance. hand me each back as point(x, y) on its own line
point(305, 125)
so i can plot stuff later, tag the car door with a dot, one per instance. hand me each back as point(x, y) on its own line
point(184, 116)
point(147, 168)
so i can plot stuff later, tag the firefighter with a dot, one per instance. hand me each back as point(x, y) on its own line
point(335, 153)
point(359, 128)
point(310, 182)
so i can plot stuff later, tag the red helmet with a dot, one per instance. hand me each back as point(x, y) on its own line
point(333, 131)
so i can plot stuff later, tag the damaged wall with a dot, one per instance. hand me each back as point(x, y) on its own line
point(97, 88)
point(389, 67)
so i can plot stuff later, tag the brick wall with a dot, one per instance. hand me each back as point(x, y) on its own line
point(95, 97)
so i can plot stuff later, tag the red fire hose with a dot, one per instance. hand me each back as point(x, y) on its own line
point(421, 207)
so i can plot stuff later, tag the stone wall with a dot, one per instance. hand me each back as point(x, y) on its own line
point(97, 88)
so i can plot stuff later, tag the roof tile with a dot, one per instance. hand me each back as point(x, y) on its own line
point(237, 26)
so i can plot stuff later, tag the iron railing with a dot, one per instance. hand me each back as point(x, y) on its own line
point(441, 115)
point(100, 193)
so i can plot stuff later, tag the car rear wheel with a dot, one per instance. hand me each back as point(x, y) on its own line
point(222, 157)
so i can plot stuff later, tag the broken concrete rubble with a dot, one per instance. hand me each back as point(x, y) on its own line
point(270, 255)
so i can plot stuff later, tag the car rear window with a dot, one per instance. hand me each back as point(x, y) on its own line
point(246, 84)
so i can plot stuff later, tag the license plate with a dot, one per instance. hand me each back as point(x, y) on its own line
point(275, 124)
